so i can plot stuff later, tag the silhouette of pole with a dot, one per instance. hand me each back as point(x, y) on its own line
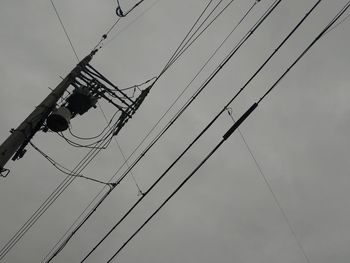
point(14, 145)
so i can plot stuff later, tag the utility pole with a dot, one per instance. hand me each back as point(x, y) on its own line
point(14, 145)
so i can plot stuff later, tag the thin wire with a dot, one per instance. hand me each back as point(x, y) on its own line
point(62, 168)
point(232, 129)
point(189, 42)
point(51, 199)
point(242, 19)
point(95, 198)
point(122, 153)
point(63, 241)
point(139, 85)
point(158, 180)
point(96, 136)
point(201, 88)
point(62, 186)
point(193, 26)
point(65, 31)
point(274, 196)
point(81, 214)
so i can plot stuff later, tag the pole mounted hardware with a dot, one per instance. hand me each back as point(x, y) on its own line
point(87, 87)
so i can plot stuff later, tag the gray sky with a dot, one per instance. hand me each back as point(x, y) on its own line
point(226, 212)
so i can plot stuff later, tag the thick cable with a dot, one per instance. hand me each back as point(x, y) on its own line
point(225, 137)
point(62, 168)
point(235, 127)
point(203, 86)
point(94, 209)
point(203, 131)
point(192, 28)
point(210, 124)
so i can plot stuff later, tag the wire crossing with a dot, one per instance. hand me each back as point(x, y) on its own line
point(225, 137)
point(234, 127)
point(58, 247)
point(203, 131)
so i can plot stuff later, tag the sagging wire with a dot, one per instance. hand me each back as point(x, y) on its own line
point(62, 168)
point(96, 136)
point(89, 146)
point(68, 180)
point(137, 86)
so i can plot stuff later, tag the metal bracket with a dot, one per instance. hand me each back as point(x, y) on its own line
point(4, 172)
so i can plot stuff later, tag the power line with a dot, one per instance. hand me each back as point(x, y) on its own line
point(225, 137)
point(65, 31)
point(99, 202)
point(192, 28)
point(63, 169)
point(51, 199)
point(190, 41)
point(203, 131)
point(199, 90)
point(233, 129)
point(70, 177)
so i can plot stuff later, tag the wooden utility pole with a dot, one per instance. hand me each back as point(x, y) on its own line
point(14, 145)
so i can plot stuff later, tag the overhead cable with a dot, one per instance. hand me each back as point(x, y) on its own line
point(65, 241)
point(202, 132)
point(234, 127)
point(54, 195)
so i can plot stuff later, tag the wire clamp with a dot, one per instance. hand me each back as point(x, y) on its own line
point(4, 172)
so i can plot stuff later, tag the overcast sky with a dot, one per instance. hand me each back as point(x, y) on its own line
point(226, 213)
